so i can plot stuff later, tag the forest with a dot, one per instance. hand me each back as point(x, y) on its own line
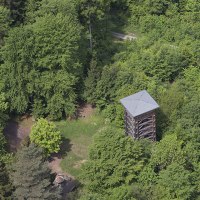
point(57, 55)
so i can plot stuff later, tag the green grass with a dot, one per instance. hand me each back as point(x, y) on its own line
point(78, 135)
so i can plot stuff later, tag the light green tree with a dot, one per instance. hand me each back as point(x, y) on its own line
point(115, 161)
point(167, 151)
point(174, 182)
point(45, 135)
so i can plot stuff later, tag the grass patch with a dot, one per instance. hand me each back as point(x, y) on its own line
point(70, 164)
point(79, 136)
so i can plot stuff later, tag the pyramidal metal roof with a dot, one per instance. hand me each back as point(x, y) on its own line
point(139, 103)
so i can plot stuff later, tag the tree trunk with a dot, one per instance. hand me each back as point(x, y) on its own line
point(90, 32)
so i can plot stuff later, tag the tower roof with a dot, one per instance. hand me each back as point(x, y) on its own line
point(139, 103)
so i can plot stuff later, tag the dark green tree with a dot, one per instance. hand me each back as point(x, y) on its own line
point(5, 184)
point(32, 6)
point(3, 119)
point(39, 8)
point(57, 63)
point(4, 22)
point(43, 65)
point(18, 39)
point(17, 8)
point(31, 175)
point(91, 11)
point(91, 81)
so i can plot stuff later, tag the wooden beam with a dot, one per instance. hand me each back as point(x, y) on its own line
point(142, 126)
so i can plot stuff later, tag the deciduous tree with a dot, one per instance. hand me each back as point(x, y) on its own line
point(41, 66)
point(174, 183)
point(115, 161)
point(45, 135)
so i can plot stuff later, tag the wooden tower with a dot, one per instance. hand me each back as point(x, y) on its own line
point(139, 115)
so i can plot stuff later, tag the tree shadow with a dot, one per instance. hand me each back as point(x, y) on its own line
point(11, 132)
point(71, 190)
point(17, 131)
point(65, 148)
point(162, 122)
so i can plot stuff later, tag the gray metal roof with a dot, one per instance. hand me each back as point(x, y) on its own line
point(139, 103)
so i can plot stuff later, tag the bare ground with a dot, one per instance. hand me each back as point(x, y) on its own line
point(17, 130)
point(85, 110)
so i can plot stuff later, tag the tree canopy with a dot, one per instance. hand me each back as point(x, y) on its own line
point(57, 54)
point(45, 135)
point(31, 175)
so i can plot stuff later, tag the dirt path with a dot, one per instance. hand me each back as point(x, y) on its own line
point(85, 110)
point(124, 36)
point(16, 130)
point(54, 165)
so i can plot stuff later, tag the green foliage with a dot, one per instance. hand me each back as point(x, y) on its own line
point(120, 193)
point(31, 175)
point(95, 9)
point(17, 8)
point(94, 15)
point(5, 184)
point(45, 135)
point(62, 62)
point(116, 82)
point(44, 66)
point(91, 82)
point(174, 183)
point(167, 151)
point(40, 8)
point(164, 62)
point(18, 64)
point(3, 109)
point(2, 145)
point(172, 169)
point(4, 22)
point(115, 161)
point(31, 7)
point(3, 119)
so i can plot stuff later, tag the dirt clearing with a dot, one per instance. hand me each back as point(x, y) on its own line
point(16, 130)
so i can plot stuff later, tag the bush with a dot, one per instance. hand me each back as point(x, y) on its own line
point(45, 135)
